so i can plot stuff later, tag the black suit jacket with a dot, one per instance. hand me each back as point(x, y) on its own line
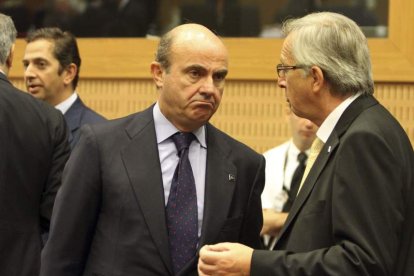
point(110, 212)
point(33, 150)
point(76, 116)
point(354, 214)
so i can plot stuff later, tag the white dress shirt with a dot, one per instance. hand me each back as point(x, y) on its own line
point(66, 104)
point(281, 163)
point(329, 124)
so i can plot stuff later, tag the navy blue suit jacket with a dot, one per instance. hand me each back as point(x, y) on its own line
point(109, 218)
point(78, 115)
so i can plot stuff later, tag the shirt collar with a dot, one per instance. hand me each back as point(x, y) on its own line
point(328, 125)
point(164, 128)
point(294, 151)
point(66, 104)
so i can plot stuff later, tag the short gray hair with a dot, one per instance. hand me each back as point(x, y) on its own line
point(337, 45)
point(8, 36)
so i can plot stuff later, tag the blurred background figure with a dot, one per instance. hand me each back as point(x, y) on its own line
point(224, 17)
point(285, 165)
point(51, 72)
point(364, 13)
point(61, 13)
point(116, 18)
point(148, 18)
point(26, 14)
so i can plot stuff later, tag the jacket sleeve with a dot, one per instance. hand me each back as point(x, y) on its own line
point(76, 211)
point(59, 155)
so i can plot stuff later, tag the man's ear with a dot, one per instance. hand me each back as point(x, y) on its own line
point(9, 60)
point(70, 73)
point(318, 78)
point(157, 74)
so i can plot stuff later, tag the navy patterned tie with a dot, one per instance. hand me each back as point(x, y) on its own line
point(181, 208)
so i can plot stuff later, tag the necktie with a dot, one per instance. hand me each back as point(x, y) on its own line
point(316, 147)
point(295, 183)
point(181, 207)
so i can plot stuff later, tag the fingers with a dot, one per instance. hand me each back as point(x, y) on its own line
point(205, 269)
point(209, 254)
point(219, 247)
point(225, 259)
point(215, 259)
point(209, 258)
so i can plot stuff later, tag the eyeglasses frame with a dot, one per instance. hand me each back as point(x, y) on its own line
point(280, 67)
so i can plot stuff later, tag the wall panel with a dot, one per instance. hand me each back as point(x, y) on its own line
point(115, 79)
point(251, 111)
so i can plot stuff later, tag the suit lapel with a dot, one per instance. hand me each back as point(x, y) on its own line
point(221, 177)
point(73, 118)
point(349, 115)
point(73, 115)
point(142, 163)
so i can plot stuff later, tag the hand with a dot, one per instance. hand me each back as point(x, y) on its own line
point(273, 222)
point(225, 259)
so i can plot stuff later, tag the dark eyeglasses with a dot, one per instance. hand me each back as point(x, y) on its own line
point(282, 69)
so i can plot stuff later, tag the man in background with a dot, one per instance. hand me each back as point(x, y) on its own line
point(354, 214)
point(33, 150)
point(285, 165)
point(51, 72)
point(143, 193)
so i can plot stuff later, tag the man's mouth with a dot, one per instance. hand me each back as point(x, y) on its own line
point(33, 88)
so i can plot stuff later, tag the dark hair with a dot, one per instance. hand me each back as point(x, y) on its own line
point(163, 51)
point(65, 48)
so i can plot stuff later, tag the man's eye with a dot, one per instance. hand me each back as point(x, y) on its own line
point(194, 74)
point(219, 77)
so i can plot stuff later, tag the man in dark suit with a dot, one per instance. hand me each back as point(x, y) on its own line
point(52, 63)
point(354, 212)
point(33, 150)
point(111, 213)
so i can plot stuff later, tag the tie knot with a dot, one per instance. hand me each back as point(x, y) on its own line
point(302, 157)
point(182, 140)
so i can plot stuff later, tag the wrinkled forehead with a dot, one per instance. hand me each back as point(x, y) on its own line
point(204, 48)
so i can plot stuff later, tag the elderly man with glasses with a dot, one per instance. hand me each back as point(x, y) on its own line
point(354, 213)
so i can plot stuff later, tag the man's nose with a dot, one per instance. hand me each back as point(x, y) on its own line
point(28, 72)
point(281, 82)
point(207, 85)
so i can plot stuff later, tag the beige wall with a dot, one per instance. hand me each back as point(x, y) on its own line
point(115, 79)
point(251, 111)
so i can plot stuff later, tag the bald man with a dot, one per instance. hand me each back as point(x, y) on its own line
point(113, 213)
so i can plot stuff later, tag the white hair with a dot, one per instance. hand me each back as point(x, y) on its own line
point(337, 45)
point(8, 35)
